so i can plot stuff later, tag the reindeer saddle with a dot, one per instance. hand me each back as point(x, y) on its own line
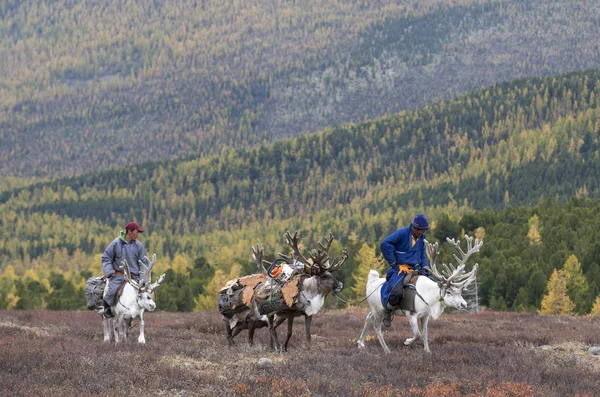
point(408, 299)
point(278, 297)
point(403, 294)
point(236, 295)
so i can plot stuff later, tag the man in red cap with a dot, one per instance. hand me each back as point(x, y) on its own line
point(125, 247)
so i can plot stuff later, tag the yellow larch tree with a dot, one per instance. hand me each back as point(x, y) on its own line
point(596, 308)
point(577, 285)
point(208, 299)
point(535, 238)
point(367, 260)
point(556, 301)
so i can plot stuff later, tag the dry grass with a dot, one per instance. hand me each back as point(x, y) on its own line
point(488, 354)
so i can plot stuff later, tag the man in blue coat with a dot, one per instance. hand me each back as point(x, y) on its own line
point(404, 251)
point(125, 247)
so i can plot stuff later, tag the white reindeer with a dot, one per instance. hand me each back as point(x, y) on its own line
point(135, 299)
point(431, 298)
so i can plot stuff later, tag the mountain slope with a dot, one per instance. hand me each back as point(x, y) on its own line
point(512, 144)
point(94, 85)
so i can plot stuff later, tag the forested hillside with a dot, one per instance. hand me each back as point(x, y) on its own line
point(504, 163)
point(86, 86)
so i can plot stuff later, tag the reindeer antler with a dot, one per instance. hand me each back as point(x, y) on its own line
point(159, 280)
point(324, 251)
point(319, 258)
point(451, 275)
point(146, 271)
point(297, 252)
point(127, 274)
point(257, 255)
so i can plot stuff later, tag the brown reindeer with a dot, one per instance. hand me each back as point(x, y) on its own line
point(304, 294)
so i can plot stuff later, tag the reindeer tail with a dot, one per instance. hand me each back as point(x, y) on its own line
point(373, 275)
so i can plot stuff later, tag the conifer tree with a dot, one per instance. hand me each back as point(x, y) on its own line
point(535, 238)
point(208, 299)
point(556, 301)
point(596, 308)
point(577, 285)
point(367, 260)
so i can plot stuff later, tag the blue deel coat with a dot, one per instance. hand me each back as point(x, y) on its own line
point(397, 249)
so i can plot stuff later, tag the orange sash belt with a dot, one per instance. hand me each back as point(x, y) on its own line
point(404, 268)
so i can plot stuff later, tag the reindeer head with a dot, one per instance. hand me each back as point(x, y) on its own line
point(143, 287)
point(452, 280)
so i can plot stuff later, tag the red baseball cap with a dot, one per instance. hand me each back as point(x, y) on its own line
point(134, 226)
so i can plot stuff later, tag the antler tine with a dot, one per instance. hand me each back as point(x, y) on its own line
point(147, 272)
point(328, 240)
point(471, 249)
point(456, 276)
point(286, 258)
point(467, 278)
point(159, 280)
point(338, 263)
point(293, 242)
point(127, 273)
point(257, 254)
point(321, 256)
point(432, 251)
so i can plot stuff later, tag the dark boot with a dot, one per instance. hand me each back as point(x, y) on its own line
point(107, 312)
point(387, 317)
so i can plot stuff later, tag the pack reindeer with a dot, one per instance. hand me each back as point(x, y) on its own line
point(135, 298)
point(431, 297)
point(242, 317)
point(313, 288)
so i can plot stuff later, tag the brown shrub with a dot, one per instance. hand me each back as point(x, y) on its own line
point(488, 354)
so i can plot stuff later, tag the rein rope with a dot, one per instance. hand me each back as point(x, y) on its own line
point(357, 302)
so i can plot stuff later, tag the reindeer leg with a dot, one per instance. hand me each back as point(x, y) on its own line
point(117, 329)
point(413, 321)
point(377, 324)
point(142, 338)
point(280, 319)
point(307, 321)
point(290, 326)
point(251, 328)
point(228, 331)
point(424, 322)
point(123, 329)
point(273, 332)
point(106, 322)
point(361, 338)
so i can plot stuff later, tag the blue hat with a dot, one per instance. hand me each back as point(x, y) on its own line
point(420, 222)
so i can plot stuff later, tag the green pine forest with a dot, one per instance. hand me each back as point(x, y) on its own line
point(515, 164)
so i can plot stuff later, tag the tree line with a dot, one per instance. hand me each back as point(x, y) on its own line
point(541, 258)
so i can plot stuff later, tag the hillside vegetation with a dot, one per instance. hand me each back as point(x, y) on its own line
point(516, 164)
point(485, 354)
point(86, 86)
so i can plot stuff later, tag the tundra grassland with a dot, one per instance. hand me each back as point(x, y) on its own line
point(46, 353)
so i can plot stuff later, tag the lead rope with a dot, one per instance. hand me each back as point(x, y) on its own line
point(360, 301)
